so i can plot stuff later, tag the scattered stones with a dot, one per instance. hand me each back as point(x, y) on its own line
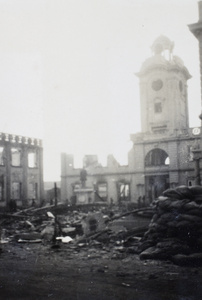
point(78, 230)
point(93, 222)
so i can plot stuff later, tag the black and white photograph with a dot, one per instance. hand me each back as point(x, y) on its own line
point(100, 149)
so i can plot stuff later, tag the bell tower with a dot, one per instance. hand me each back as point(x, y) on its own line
point(163, 90)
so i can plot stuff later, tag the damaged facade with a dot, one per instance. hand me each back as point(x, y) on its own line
point(162, 154)
point(21, 171)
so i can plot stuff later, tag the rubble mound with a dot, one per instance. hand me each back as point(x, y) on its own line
point(175, 231)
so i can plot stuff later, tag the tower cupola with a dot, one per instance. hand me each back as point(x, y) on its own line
point(163, 90)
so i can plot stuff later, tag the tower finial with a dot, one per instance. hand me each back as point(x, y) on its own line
point(161, 44)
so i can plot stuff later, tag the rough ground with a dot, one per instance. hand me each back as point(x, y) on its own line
point(37, 271)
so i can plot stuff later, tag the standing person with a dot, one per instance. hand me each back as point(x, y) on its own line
point(139, 202)
point(143, 201)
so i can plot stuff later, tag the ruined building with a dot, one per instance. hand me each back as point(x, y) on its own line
point(21, 171)
point(162, 153)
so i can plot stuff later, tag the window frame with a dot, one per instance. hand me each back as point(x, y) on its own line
point(32, 162)
point(125, 192)
point(100, 193)
point(18, 152)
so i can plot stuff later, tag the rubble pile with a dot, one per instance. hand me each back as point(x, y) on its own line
point(175, 231)
point(172, 232)
point(102, 228)
point(35, 227)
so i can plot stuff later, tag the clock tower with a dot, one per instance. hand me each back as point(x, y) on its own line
point(163, 90)
point(162, 154)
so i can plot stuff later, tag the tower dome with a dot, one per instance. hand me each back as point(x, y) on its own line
point(161, 44)
point(162, 49)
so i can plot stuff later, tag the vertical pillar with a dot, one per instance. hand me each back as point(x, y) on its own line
point(197, 172)
point(7, 162)
point(40, 166)
point(196, 29)
point(25, 175)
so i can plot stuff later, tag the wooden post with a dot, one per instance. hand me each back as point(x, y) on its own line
point(56, 203)
point(55, 193)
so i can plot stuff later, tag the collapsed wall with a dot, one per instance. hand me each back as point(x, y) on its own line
point(175, 231)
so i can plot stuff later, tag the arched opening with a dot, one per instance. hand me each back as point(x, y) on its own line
point(156, 157)
point(158, 181)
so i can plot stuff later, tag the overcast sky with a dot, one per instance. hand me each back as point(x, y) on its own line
point(67, 70)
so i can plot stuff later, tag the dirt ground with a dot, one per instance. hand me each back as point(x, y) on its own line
point(38, 271)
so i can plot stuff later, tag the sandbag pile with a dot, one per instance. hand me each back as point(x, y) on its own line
point(175, 231)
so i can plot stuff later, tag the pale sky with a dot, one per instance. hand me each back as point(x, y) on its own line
point(68, 69)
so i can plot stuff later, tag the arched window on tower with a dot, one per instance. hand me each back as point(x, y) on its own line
point(158, 107)
point(157, 157)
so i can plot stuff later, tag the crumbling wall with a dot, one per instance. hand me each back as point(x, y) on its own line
point(21, 171)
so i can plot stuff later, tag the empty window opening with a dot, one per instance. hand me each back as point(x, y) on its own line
point(124, 191)
point(15, 157)
point(102, 190)
point(32, 160)
point(1, 156)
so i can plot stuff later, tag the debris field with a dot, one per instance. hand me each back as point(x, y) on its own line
point(105, 250)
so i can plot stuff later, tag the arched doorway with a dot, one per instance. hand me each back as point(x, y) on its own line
point(156, 173)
